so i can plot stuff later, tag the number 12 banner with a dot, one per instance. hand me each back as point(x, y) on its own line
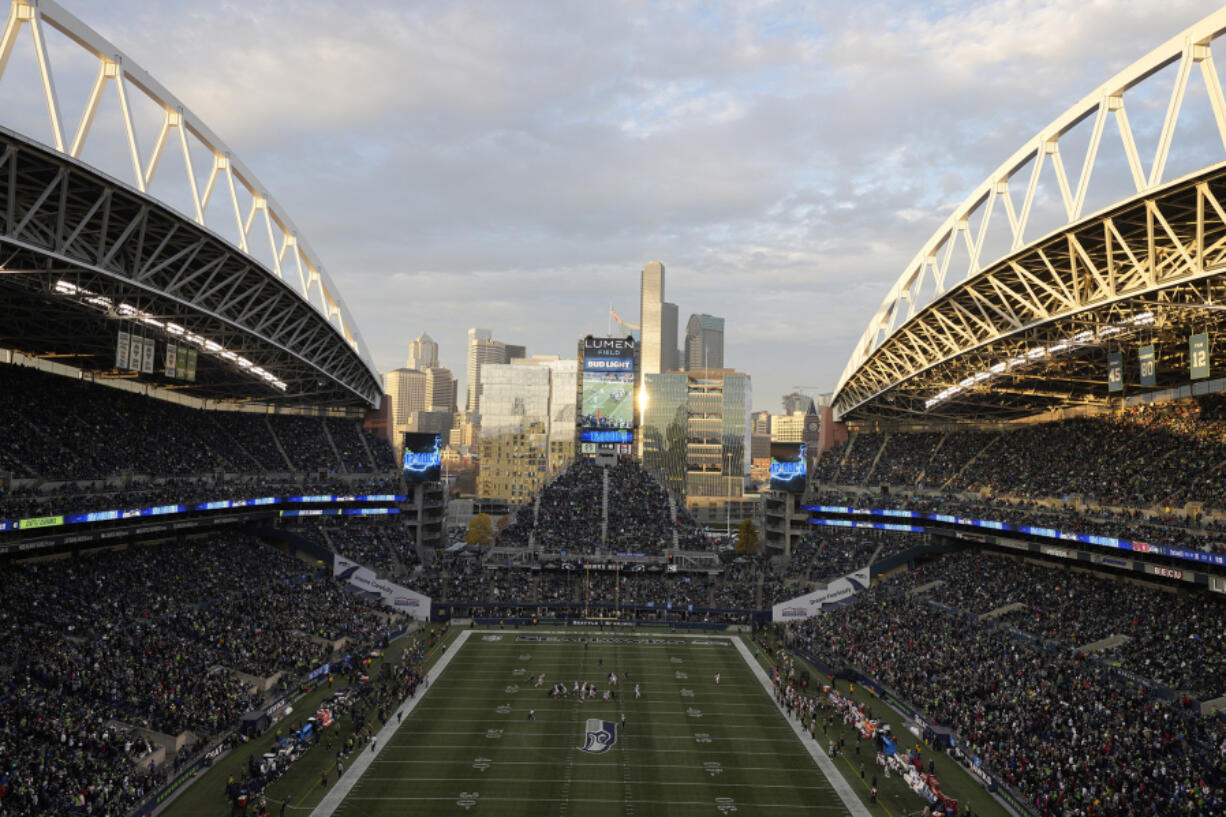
point(1198, 355)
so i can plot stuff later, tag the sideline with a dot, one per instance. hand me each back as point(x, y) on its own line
point(337, 793)
point(841, 787)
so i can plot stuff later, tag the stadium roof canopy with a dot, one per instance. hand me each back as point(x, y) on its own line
point(198, 256)
point(1034, 329)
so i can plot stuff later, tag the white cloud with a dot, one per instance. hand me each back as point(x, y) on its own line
point(514, 164)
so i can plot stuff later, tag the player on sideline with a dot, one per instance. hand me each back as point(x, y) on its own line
point(717, 679)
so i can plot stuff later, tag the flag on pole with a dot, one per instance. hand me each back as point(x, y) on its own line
point(613, 312)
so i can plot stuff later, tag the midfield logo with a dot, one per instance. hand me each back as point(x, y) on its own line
point(600, 736)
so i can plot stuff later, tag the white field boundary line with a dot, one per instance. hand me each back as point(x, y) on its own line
point(690, 766)
point(593, 781)
point(810, 807)
point(510, 736)
point(837, 781)
point(345, 784)
point(706, 748)
point(665, 721)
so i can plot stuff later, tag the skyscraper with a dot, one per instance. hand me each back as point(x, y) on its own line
point(482, 349)
point(440, 389)
point(423, 352)
point(527, 425)
point(704, 342)
point(406, 393)
point(670, 357)
point(651, 309)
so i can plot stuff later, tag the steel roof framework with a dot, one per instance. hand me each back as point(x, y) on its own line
point(928, 317)
point(260, 298)
point(62, 222)
point(1032, 331)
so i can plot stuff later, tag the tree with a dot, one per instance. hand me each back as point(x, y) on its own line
point(480, 531)
point(503, 521)
point(747, 541)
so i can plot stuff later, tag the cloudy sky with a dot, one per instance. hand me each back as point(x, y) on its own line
point(513, 165)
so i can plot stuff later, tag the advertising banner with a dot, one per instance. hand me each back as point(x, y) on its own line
point(399, 598)
point(807, 606)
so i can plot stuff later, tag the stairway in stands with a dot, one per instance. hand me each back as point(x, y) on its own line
point(604, 507)
point(672, 514)
point(536, 514)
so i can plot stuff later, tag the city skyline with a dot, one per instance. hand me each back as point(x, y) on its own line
point(516, 168)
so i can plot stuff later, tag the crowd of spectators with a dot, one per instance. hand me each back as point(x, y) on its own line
point(1160, 454)
point(641, 516)
point(153, 637)
point(66, 429)
point(569, 513)
point(383, 545)
point(830, 552)
point(1054, 724)
point(1171, 637)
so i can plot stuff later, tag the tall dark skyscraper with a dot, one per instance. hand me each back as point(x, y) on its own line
point(704, 343)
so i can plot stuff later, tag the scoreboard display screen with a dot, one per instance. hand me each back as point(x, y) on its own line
point(422, 457)
point(608, 384)
point(788, 467)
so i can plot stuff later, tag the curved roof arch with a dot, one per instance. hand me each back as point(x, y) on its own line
point(928, 276)
point(262, 222)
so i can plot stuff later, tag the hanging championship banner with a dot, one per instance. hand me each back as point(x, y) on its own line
point(1149, 366)
point(146, 365)
point(1115, 372)
point(191, 365)
point(1198, 355)
point(181, 363)
point(121, 351)
point(136, 352)
point(170, 360)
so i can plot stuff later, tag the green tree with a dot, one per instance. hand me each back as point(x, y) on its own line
point(747, 542)
point(480, 531)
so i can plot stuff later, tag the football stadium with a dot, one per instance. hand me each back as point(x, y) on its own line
point(1000, 588)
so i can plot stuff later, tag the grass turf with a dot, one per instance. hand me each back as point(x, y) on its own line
point(444, 753)
point(688, 747)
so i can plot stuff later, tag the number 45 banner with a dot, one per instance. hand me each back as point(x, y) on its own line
point(1115, 372)
point(1198, 355)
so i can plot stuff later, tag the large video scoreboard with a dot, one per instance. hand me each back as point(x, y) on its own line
point(607, 405)
point(422, 457)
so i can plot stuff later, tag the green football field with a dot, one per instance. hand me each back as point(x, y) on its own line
point(688, 746)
